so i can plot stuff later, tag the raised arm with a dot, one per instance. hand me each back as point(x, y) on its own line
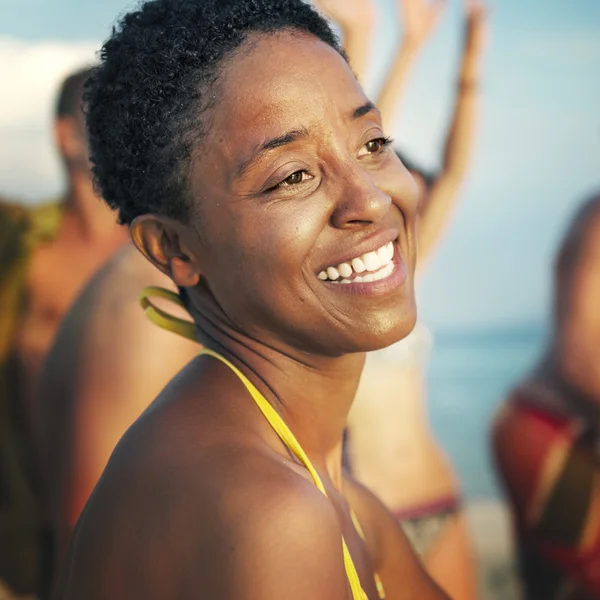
point(357, 20)
point(419, 19)
point(436, 205)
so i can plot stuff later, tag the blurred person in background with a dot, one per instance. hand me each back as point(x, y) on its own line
point(47, 254)
point(100, 375)
point(391, 447)
point(546, 439)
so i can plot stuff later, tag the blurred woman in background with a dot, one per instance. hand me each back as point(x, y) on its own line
point(47, 255)
point(546, 438)
point(391, 446)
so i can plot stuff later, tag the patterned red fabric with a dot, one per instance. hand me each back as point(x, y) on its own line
point(533, 433)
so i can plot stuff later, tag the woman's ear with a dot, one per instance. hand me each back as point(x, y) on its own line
point(162, 241)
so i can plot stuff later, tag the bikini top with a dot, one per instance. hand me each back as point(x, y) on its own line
point(188, 329)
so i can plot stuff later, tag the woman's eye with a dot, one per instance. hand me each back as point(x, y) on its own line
point(376, 146)
point(294, 179)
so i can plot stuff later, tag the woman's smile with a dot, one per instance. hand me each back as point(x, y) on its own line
point(376, 271)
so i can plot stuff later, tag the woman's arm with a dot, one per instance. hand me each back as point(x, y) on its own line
point(419, 19)
point(458, 150)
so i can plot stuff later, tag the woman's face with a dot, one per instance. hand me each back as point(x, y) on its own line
point(307, 217)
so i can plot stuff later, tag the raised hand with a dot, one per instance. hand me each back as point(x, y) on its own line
point(475, 7)
point(420, 18)
point(348, 12)
point(476, 14)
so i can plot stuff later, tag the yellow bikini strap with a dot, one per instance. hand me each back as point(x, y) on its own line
point(359, 529)
point(272, 417)
point(288, 438)
point(162, 319)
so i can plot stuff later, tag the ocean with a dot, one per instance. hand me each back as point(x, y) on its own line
point(468, 376)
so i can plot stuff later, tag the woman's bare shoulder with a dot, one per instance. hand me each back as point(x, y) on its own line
point(182, 515)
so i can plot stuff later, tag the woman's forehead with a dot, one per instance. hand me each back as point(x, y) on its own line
point(285, 81)
point(280, 70)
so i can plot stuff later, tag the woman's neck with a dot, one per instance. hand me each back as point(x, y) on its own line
point(313, 394)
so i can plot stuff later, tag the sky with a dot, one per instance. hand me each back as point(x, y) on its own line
point(537, 152)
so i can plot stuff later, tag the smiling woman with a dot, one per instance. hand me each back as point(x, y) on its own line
point(235, 141)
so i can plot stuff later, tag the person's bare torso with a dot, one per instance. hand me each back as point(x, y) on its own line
point(57, 272)
point(392, 448)
point(98, 379)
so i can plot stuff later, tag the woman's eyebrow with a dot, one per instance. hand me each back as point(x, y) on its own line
point(363, 110)
point(262, 149)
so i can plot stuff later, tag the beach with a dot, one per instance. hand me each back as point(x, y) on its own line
point(489, 524)
point(469, 374)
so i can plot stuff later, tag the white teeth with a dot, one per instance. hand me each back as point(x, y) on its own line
point(333, 273)
point(390, 251)
point(385, 253)
point(383, 273)
point(358, 265)
point(345, 270)
point(375, 265)
point(371, 261)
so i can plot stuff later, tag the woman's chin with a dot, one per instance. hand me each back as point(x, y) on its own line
point(383, 336)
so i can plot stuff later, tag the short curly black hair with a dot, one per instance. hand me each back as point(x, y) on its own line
point(145, 100)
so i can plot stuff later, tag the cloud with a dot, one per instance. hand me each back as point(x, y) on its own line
point(33, 72)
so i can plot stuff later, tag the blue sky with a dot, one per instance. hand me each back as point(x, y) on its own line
point(538, 149)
